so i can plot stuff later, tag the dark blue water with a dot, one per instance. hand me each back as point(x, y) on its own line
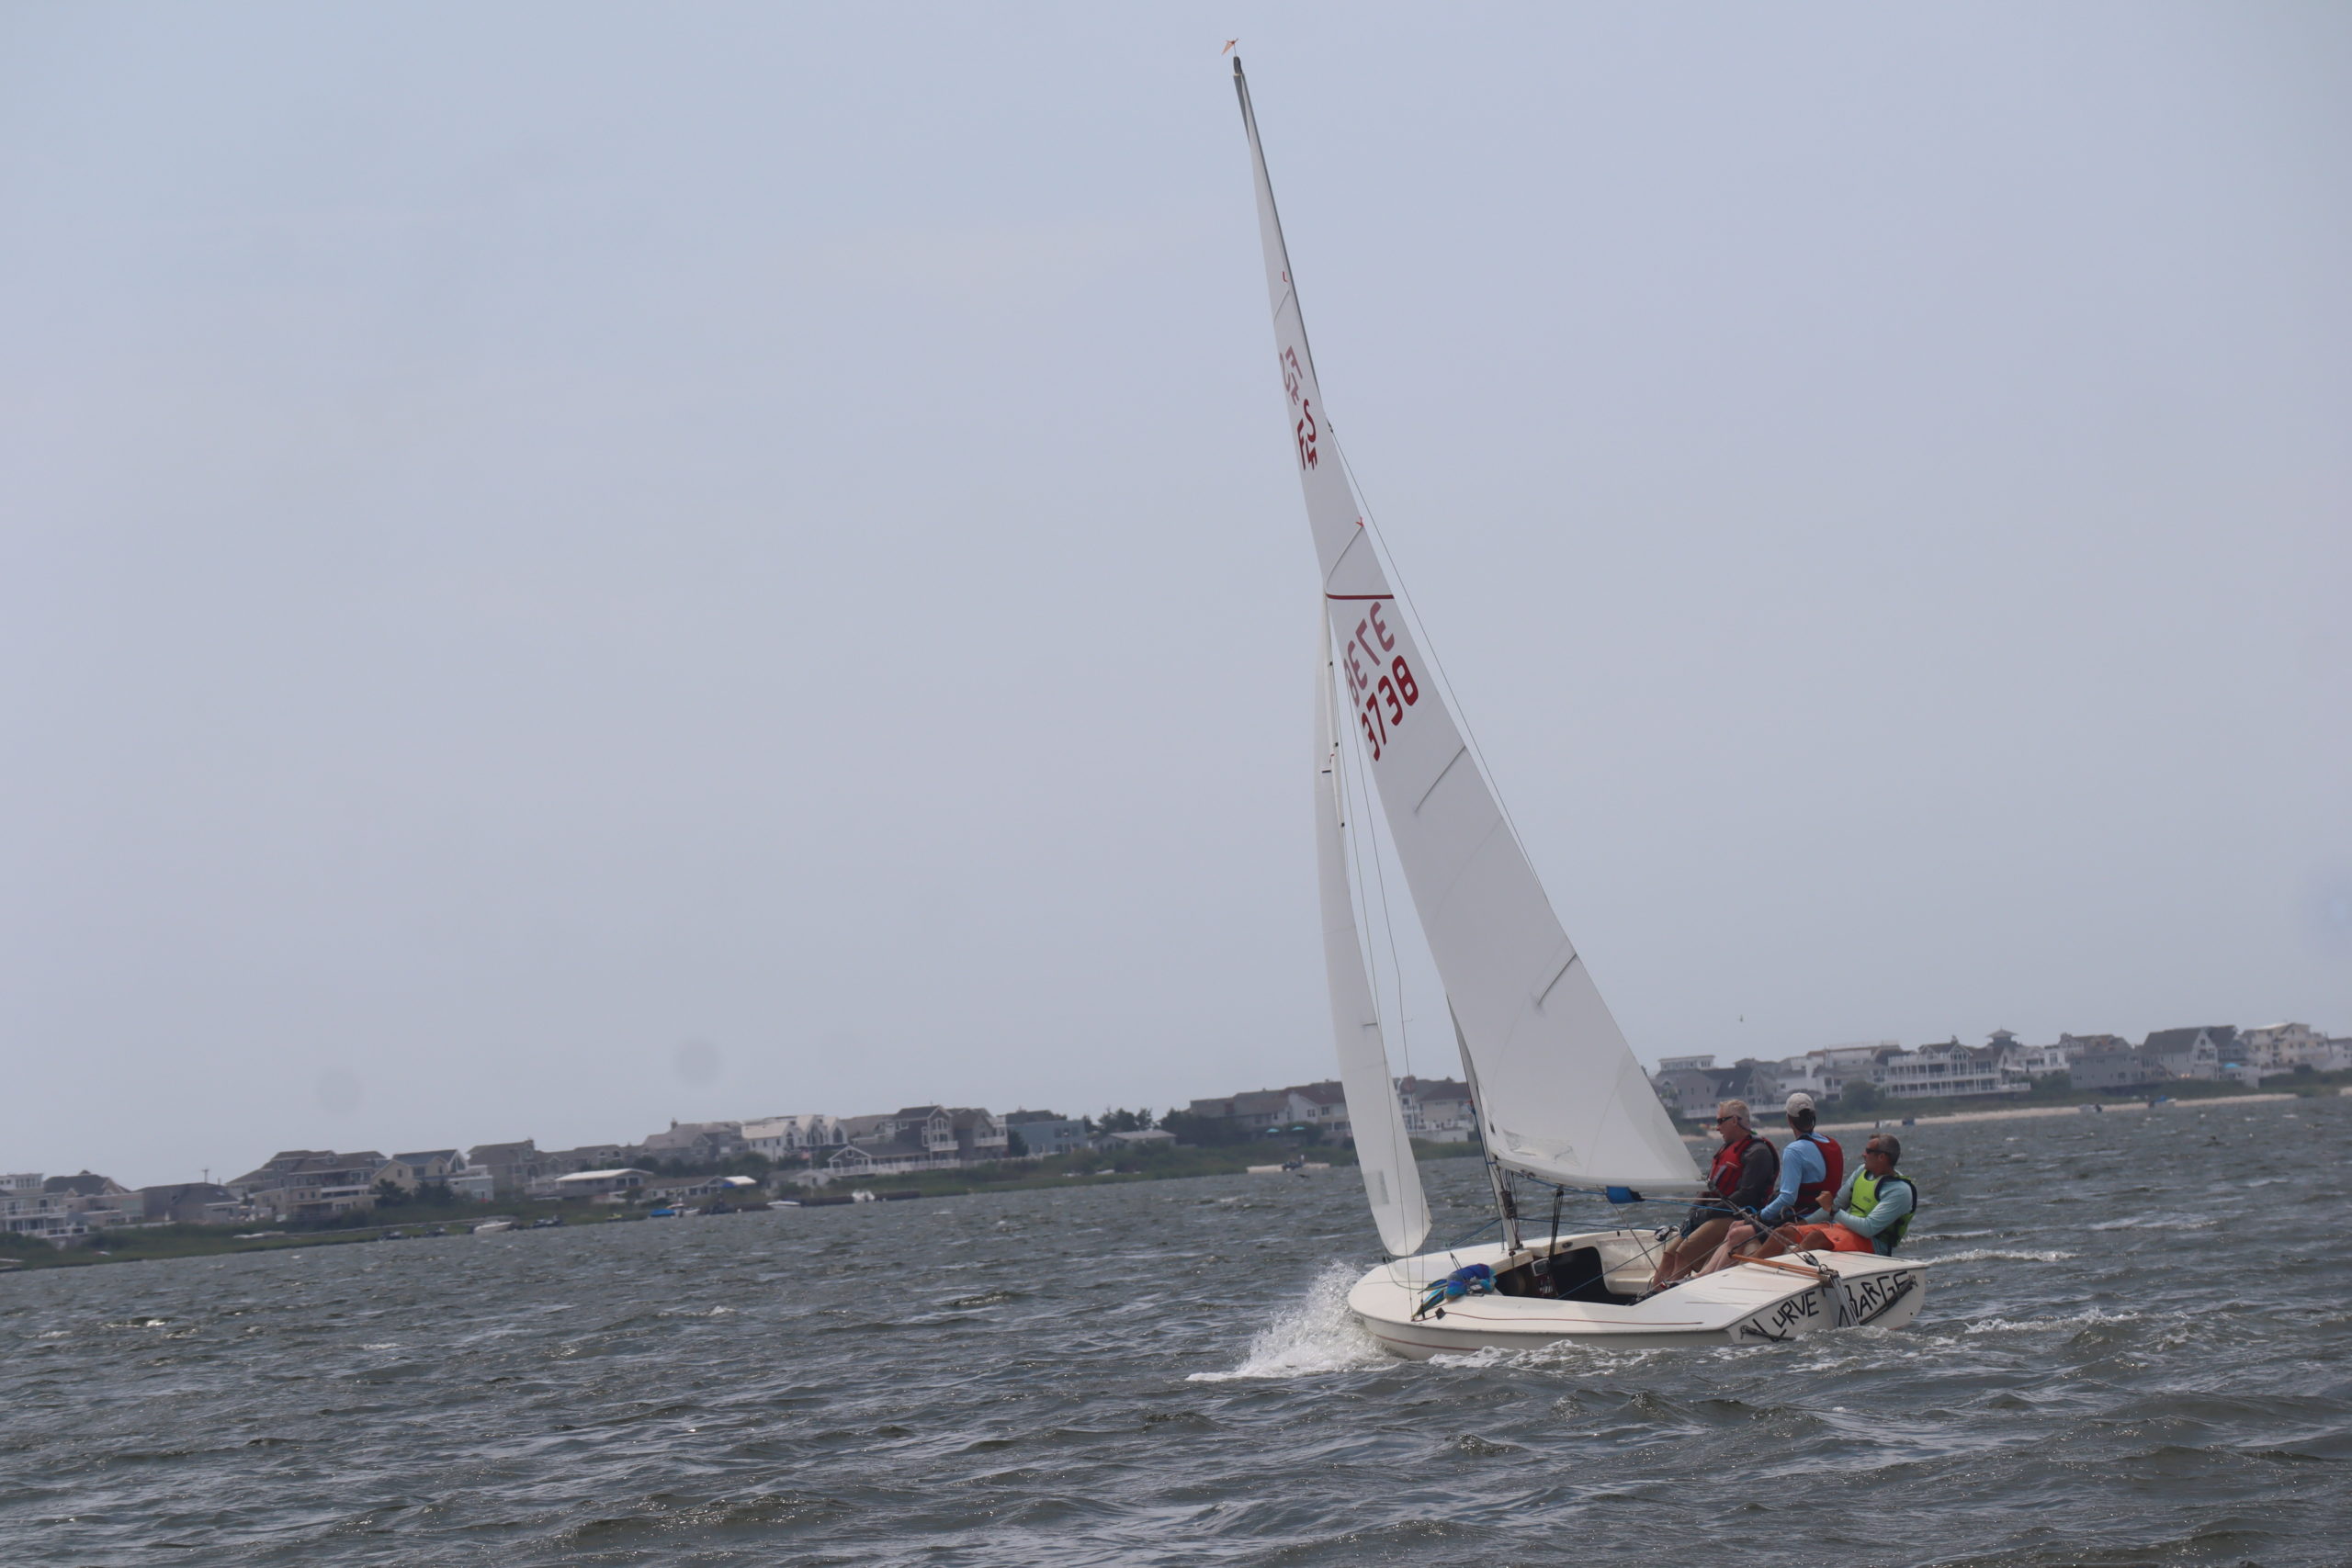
point(2132, 1352)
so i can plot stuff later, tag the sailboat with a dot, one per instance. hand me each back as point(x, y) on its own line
point(1561, 1105)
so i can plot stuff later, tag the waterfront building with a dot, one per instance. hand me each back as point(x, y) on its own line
point(473, 1183)
point(512, 1167)
point(880, 1157)
point(1823, 1073)
point(1946, 1070)
point(1320, 1106)
point(2195, 1053)
point(697, 1142)
point(2031, 1062)
point(913, 1137)
point(411, 1170)
point(1256, 1111)
point(1046, 1133)
point(782, 1138)
point(1140, 1138)
point(685, 1190)
point(1437, 1111)
point(193, 1203)
point(305, 1184)
point(587, 1156)
point(2283, 1047)
point(48, 1215)
point(931, 1128)
point(2107, 1062)
point(1689, 1092)
point(979, 1135)
point(611, 1185)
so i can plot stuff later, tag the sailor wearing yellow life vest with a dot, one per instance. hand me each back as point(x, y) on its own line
point(1873, 1209)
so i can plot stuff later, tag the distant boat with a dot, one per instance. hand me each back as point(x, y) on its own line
point(1560, 1102)
point(489, 1227)
point(783, 1203)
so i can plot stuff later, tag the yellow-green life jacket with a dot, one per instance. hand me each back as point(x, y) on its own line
point(1865, 1198)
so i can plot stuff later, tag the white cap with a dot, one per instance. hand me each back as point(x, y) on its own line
point(1799, 1101)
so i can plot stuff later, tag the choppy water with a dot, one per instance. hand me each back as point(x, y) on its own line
point(2133, 1353)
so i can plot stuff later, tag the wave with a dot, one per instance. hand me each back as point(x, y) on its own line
point(2157, 1223)
point(2091, 1319)
point(1316, 1334)
point(1990, 1253)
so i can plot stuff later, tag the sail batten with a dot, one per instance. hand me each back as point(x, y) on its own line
point(1556, 1100)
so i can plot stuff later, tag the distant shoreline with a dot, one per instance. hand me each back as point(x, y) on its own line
point(2019, 1112)
point(2023, 1112)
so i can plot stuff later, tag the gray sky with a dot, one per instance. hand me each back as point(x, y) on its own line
point(534, 536)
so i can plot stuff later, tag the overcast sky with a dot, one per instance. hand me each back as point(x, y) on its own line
point(574, 566)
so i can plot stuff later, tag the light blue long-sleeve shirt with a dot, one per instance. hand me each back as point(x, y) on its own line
point(1895, 1200)
point(1800, 1162)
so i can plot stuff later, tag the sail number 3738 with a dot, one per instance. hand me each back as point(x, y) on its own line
point(1380, 679)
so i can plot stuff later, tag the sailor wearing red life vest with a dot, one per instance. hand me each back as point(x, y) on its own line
point(1741, 1180)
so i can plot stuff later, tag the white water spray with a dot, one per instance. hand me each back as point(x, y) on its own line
point(1315, 1334)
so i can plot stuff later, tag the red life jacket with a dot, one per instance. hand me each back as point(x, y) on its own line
point(1810, 1194)
point(1724, 1175)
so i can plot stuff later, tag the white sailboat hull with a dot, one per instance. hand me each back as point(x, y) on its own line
point(1751, 1303)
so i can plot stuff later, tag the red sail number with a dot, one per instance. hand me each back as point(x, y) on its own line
point(1383, 695)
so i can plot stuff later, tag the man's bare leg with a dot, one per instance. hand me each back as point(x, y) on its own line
point(1679, 1253)
point(1735, 1236)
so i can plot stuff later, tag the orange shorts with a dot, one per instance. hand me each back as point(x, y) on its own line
point(1831, 1238)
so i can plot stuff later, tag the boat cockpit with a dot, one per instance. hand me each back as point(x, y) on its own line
point(1604, 1268)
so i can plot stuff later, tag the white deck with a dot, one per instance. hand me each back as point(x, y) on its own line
point(1749, 1304)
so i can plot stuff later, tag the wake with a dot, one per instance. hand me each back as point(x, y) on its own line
point(1315, 1334)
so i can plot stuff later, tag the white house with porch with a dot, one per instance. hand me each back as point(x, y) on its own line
point(604, 1186)
point(793, 1137)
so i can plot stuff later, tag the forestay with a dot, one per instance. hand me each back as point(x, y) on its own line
point(1392, 1182)
point(1560, 1095)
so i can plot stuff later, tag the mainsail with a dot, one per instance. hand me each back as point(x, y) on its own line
point(1561, 1097)
point(1392, 1182)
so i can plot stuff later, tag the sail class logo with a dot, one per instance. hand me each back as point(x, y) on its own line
point(1303, 406)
